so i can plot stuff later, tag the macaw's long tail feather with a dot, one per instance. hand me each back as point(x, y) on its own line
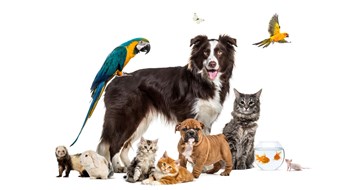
point(265, 42)
point(96, 96)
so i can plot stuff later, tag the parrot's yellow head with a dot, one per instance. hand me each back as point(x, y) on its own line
point(286, 34)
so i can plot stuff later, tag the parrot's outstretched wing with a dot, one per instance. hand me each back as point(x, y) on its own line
point(274, 27)
point(114, 61)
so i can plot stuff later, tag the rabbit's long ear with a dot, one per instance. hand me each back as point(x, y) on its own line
point(96, 160)
point(103, 160)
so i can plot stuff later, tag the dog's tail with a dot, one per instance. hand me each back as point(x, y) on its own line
point(96, 94)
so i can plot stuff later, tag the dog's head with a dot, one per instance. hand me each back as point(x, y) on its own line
point(190, 130)
point(212, 57)
point(61, 152)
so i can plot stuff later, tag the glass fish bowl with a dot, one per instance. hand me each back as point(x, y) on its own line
point(269, 155)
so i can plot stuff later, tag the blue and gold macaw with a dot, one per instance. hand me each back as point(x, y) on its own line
point(113, 65)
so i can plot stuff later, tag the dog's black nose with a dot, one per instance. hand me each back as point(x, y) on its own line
point(192, 133)
point(212, 64)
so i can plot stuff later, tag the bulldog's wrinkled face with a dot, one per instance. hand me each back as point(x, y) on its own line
point(190, 130)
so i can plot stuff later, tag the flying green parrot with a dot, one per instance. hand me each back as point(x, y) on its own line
point(113, 65)
point(274, 31)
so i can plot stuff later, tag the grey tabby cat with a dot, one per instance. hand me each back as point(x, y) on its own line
point(143, 164)
point(240, 131)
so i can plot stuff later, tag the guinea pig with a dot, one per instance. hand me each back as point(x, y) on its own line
point(96, 165)
point(69, 162)
point(76, 165)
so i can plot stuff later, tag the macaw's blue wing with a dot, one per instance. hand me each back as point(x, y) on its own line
point(114, 61)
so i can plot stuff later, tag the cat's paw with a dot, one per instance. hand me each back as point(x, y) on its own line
point(146, 182)
point(155, 183)
point(130, 180)
point(150, 182)
point(120, 169)
point(241, 167)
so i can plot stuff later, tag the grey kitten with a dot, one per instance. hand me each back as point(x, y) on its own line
point(240, 131)
point(143, 164)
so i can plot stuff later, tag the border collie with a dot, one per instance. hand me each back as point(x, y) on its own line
point(196, 90)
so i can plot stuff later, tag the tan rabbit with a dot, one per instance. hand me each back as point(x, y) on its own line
point(96, 165)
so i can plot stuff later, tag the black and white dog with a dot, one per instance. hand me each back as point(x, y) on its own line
point(196, 90)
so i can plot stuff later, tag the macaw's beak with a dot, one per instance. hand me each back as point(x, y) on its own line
point(146, 48)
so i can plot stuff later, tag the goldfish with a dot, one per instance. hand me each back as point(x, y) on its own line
point(277, 156)
point(263, 159)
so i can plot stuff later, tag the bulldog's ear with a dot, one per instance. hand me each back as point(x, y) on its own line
point(177, 127)
point(202, 125)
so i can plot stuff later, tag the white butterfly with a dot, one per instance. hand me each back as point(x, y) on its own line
point(197, 19)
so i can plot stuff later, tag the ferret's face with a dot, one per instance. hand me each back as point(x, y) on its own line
point(61, 151)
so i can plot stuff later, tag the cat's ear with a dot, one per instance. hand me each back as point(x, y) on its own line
point(155, 141)
point(142, 139)
point(237, 93)
point(165, 154)
point(177, 127)
point(177, 162)
point(258, 94)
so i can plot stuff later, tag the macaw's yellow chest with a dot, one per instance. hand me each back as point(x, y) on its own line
point(130, 52)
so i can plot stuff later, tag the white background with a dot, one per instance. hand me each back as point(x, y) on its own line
point(50, 52)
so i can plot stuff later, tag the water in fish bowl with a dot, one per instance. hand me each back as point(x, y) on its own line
point(269, 155)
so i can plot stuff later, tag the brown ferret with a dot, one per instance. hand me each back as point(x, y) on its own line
point(68, 162)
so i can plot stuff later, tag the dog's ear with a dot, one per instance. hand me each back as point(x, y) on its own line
point(225, 39)
point(177, 127)
point(197, 40)
point(202, 125)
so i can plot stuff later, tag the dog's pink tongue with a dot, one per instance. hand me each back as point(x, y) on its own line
point(191, 140)
point(212, 74)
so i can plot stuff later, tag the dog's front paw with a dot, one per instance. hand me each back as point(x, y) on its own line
point(196, 175)
point(224, 174)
